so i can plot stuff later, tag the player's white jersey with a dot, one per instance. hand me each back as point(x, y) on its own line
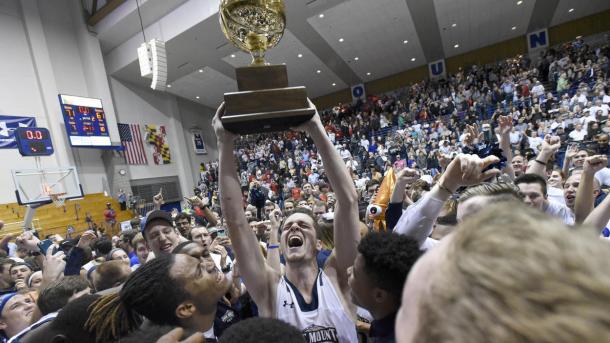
point(324, 320)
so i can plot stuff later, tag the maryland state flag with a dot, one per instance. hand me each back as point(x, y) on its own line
point(379, 203)
point(155, 136)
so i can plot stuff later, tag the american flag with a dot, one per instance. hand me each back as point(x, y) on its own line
point(132, 141)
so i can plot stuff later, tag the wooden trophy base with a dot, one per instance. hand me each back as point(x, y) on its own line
point(264, 102)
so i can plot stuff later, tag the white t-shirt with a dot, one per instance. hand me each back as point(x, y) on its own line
point(535, 143)
point(556, 195)
point(515, 137)
point(560, 211)
point(578, 135)
point(603, 177)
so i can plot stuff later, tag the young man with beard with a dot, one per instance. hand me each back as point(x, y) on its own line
point(172, 289)
point(315, 301)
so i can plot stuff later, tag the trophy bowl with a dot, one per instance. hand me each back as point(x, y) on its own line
point(253, 26)
point(264, 102)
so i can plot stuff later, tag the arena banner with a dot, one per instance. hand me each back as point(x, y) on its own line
point(155, 137)
point(198, 145)
point(8, 125)
point(358, 93)
point(437, 70)
point(537, 40)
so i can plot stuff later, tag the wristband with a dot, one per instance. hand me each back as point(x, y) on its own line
point(441, 186)
point(273, 246)
point(536, 160)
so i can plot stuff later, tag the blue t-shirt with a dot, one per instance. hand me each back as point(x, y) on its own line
point(133, 259)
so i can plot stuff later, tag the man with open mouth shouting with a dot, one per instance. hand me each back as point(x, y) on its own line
point(313, 300)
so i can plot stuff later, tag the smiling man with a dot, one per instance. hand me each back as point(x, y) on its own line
point(159, 233)
point(177, 290)
point(534, 190)
point(315, 301)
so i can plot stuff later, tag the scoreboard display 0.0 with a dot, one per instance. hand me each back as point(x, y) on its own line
point(34, 141)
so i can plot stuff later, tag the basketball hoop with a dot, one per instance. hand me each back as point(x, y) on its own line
point(58, 199)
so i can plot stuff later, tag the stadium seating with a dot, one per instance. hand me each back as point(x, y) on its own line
point(55, 220)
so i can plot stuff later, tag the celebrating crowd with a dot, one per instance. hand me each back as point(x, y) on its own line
point(472, 209)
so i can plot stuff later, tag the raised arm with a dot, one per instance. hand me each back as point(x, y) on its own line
point(465, 170)
point(584, 196)
point(346, 230)
point(259, 279)
point(394, 210)
point(506, 125)
point(599, 217)
point(273, 246)
point(570, 152)
point(550, 145)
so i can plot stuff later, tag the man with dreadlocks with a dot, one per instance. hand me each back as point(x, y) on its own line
point(316, 301)
point(176, 290)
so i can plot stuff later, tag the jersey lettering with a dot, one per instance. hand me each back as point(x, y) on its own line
point(320, 334)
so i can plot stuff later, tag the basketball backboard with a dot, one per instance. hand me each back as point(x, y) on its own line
point(38, 186)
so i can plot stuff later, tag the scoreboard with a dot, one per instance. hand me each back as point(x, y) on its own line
point(34, 141)
point(85, 121)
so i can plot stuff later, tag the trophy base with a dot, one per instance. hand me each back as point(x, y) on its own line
point(264, 102)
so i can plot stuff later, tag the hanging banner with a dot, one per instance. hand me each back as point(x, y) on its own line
point(198, 145)
point(155, 136)
point(358, 93)
point(437, 70)
point(8, 125)
point(537, 40)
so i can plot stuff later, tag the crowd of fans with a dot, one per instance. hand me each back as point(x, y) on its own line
point(493, 230)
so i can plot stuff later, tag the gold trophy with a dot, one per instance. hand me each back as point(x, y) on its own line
point(264, 102)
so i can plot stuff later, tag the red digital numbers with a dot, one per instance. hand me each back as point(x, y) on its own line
point(33, 134)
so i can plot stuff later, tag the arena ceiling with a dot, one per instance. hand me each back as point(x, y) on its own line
point(328, 44)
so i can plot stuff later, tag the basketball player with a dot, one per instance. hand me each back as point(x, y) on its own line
point(313, 300)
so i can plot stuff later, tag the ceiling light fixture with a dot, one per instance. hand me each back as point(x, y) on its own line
point(201, 70)
point(405, 41)
point(197, 97)
point(513, 28)
point(368, 74)
point(300, 55)
point(334, 84)
point(519, 2)
point(453, 25)
point(356, 58)
point(169, 86)
point(321, 15)
point(341, 40)
point(318, 71)
point(571, 10)
point(413, 59)
point(232, 55)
